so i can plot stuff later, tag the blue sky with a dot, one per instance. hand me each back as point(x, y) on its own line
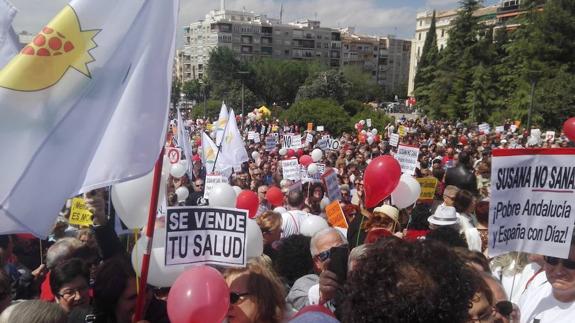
point(372, 17)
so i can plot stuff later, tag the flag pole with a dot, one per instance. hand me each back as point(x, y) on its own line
point(149, 234)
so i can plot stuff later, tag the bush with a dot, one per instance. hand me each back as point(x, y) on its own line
point(379, 119)
point(322, 112)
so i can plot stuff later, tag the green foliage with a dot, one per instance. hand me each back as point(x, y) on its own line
point(427, 67)
point(175, 93)
point(362, 86)
point(328, 84)
point(326, 112)
point(193, 90)
point(212, 110)
point(277, 81)
point(379, 119)
point(353, 107)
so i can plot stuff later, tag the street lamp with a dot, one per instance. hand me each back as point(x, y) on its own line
point(242, 79)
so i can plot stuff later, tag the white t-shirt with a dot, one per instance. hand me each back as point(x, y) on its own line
point(538, 305)
point(291, 222)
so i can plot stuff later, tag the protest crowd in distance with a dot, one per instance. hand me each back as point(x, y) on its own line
point(418, 221)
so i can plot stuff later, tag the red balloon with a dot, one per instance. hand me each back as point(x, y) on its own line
point(248, 200)
point(380, 179)
point(463, 140)
point(362, 138)
point(299, 152)
point(305, 160)
point(290, 153)
point(569, 128)
point(275, 196)
point(200, 294)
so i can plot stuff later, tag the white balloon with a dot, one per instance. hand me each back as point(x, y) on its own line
point(182, 192)
point(316, 155)
point(406, 193)
point(312, 169)
point(363, 132)
point(284, 183)
point(237, 189)
point(159, 274)
point(131, 199)
point(324, 202)
point(222, 195)
point(312, 224)
point(280, 209)
point(370, 140)
point(283, 151)
point(255, 155)
point(362, 122)
point(178, 170)
point(374, 131)
point(254, 239)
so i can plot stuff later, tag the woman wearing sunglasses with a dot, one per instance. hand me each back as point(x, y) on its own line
point(553, 301)
point(256, 293)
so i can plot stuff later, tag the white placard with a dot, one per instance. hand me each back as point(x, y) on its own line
point(531, 203)
point(407, 158)
point(257, 139)
point(368, 122)
point(484, 128)
point(206, 235)
point(211, 181)
point(499, 129)
point(309, 138)
point(550, 136)
point(320, 128)
point(292, 141)
point(513, 128)
point(251, 135)
point(323, 144)
point(271, 143)
point(394, 140)
point(316, 178)
point(291, 169)
point(333, 144)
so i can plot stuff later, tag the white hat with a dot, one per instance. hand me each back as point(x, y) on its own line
point(390, 211)
point(444, 215)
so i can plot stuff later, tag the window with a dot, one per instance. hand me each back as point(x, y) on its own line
point(442, 33)
point(420, 23)
point(419, 36)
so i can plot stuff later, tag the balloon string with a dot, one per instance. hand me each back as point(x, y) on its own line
point(137, 261)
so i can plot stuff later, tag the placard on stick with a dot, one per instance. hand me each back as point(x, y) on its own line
point(335, 215)
point(206, 235)
point(79, 213)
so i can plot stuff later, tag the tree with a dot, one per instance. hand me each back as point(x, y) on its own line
point(175, 93)
point(353, 107)
point(193, 90)
point(379, 119)
point(212, 110)
point(326, 112)
point(362, 86)
point(427, 66)
point(327, 84)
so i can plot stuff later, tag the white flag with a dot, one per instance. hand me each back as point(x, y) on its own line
point(221, 123)
point(185, 141)
point(233, 151)
point(83, 106)
point(9, 44)
point(209, 152)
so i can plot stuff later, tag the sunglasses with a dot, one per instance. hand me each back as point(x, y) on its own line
point(553, 261)
point(324, 255)
point(235, 297)
point(504, 308)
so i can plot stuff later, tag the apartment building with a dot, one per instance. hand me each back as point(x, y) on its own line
point(250, 36)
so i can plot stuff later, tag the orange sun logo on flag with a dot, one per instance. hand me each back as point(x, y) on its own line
point(43, 62)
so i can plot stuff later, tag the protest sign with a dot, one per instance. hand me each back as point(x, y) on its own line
point(332, 144)
point(323, 144)
point(257, 139)
point(428, 185)
point(499, 129)
point(316, 178)
point(291, 169)
point(335, 215)
point(79, 213)
point(402, 131)
point(211, 181)
point(309, 138)
point(332, 184)
point(271, 143)
point(174, 154)
point(513, 128)
point(531, 201)
point(206, 235)
point(320, 128)
point(292, 141)
point(550, 136)
point(251, 135)
point(484, 128)
point(407, 158)
point(368, 122)
point(394, 140)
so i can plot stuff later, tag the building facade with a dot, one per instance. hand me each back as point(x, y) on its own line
point(251, 36)
point(443, 21)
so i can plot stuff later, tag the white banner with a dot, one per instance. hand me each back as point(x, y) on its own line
point(205, 235)
point(290, 169)
point(532, 201)
point(407, 158)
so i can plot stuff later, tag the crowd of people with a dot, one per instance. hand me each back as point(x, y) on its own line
point(427, 262)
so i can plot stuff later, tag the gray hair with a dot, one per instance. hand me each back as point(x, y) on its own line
point(61, 250)
point(357, 253)
point(321, 233)
point(34, 311)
